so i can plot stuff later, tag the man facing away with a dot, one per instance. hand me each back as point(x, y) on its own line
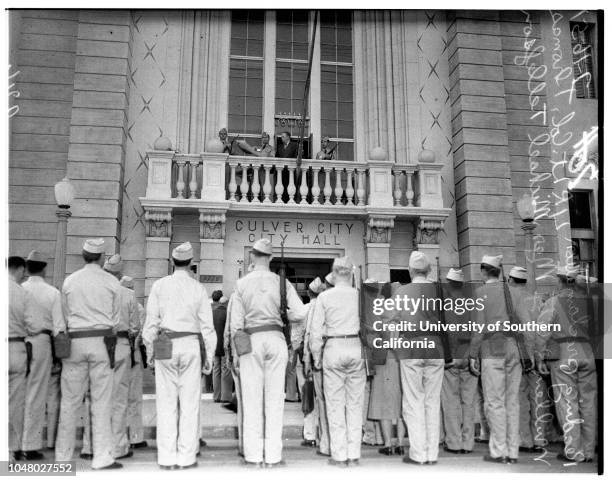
point(91, 305)
point(177, 331)
point(336, 348)
point(45, 302)
point(221, 375)
point(256, 319)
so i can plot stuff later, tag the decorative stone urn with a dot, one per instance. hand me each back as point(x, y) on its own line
point(162, 144)
point(214, 145)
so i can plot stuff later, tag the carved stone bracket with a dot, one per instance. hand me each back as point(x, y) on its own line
point(158, 222)
point(212, 225)
point(379, 229)
point(428, 230)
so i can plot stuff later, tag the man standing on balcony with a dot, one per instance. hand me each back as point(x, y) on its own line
point(286, 149)
point(265, 150)
point(327, 150)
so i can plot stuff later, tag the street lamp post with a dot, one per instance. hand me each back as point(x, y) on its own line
point(64, 196)
point(526, 209)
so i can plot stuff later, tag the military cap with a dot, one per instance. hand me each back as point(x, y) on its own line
point(316, 285)
point(518, 273)
point(183, 252)
point(329, 279)
point(455, 275)
point(370, 281)
point(343, 263)
point(418, 260)
point(263, 246)
point(223, 300)
point(127, 281)
point(114, 264)
point(494, 261)
point(94, 246)
point(36, 257)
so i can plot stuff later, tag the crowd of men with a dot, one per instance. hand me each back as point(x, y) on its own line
point(87, 345)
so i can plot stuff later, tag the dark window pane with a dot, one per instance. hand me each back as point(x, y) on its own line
point(253, 124)
point(256, 30)
point(255, 48)
point(345, 111)
point(328, 128)
point(235, 123)
point(253, 106)
point(236, 105)
point(283, 105)
point(328, 110)
point(283, 90)
point(344, 54)
point(580, 209)
point(238, 47)
point(239, 30)
point(254, 88)
point(345, 129)
point(345, 93)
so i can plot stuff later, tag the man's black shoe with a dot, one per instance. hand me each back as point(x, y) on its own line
point(86, 456)
point(495, 460)
point(309, 443)
point(407, 460)
point(275, 465)
point(322, 454)
point(481, 440)
point(231, 406)
point(449, 450)
point(18, 455)
point(252, 465)
point(167, 467)
point(126, 456)
point(139, 445)
point(338, 463)
point(114, 465)
point(354, 462)
point(32, 455)
point(386, 451)
point(464, 451)
point(399, 450)
point(512, 460)
point(183, 467)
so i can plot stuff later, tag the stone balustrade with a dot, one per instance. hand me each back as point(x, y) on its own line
point(248, 181)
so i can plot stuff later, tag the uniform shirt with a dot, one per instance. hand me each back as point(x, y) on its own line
point(257, 301)
point(129, 317)
point(298, 329)
point(308, 328)
point(492, 292)
point(45, 302)
point(179, 303)
point(90, 300)
point(21, 322)
point(336, 313)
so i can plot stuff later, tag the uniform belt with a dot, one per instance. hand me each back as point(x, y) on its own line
point(123, 334)
point(340, 336)
point(179, 334)
point(259, 329)
point(90, 333)
point(16, 339)
point(45, 332)
point(572, 339)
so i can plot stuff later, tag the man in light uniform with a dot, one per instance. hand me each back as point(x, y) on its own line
point(571, 364)
point(336, 348)
point(134, 413)
point(421, 370)
point(304, 371)
point(21, 324)
point(500, 363)
point(91, 306)
point(179, 309)
point(256, 311)
point(459, 385)
point(45, 303)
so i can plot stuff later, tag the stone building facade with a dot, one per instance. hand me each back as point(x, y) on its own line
point(443, 120)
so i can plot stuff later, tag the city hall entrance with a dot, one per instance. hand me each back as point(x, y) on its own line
point(301, 271)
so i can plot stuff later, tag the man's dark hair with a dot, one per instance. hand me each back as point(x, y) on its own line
point(181, 263)
point(16, 262)
point(35, 267)
point(91, 257)
point(490, 270)
point(519, 281)
point(288, 134)
point(217, 294)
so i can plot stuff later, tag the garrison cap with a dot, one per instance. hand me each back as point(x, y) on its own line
point(183, 252)
point(370, 281)
point(127, 281)
point(114, 264)
point(343, 263)
point(316, 285)
point(263, 246)
point(223, 300)
point(36, 257)
point(94, 246)
point(518, 272)
point(455, 275)
point(418, 260)
point(329, 279)
point(494, 261)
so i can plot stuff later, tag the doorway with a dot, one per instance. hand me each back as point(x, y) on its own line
point(301, 271)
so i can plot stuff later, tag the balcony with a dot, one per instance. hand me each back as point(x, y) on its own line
point(258, 184)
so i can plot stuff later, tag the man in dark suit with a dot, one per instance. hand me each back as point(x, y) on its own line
point(222, 377)
point(286, 148)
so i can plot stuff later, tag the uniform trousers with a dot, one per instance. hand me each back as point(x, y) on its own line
point(239, 412)
point(262, 377)
point(421, 387)
point(536, 411)
point(17, 392)
point(134, 409)
point(323, 432)
point(575, 394)
point(37, 386)
point(178, 390)
point(309, 431)
point(343, 385)
point(222, 380)
point(53, 404)
point(88, 365)
point(501, 379)
point(458, 390)
point(119, 402)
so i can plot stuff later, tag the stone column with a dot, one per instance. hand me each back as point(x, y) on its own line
point(157, 251)
point(378, 242)
point(212, 237)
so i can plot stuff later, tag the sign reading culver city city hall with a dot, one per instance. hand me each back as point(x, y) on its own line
point(298, 233)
